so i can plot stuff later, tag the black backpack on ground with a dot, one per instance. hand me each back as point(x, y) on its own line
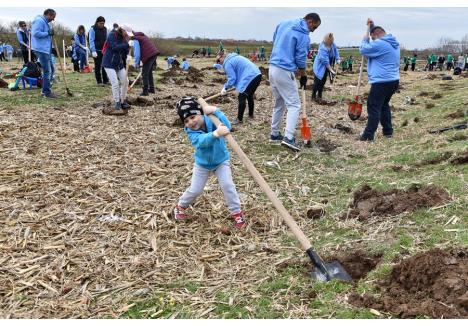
point(33, 70)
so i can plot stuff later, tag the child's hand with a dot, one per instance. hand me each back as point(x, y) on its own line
point(221, 131)
point(209, 109)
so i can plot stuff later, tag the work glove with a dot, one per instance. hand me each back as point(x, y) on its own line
point(86, 49)
point(338, 61)
point(94, 54)
point(223, 91)
point(51, 32)
point(303, 82)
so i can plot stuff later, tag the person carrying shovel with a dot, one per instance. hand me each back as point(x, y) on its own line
point(245, 77)
point(41, 44)
point(211, 156)
point(383, 70)
point(291, 43)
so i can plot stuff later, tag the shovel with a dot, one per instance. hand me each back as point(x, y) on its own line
point(323, 271)
point(355, 107)
point(62, 68)
point(134, 82)
point(305, 129)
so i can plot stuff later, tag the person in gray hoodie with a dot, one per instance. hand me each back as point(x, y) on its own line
point(383, 70)
point(291, 44)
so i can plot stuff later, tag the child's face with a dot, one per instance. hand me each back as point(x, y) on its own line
point(194, 122)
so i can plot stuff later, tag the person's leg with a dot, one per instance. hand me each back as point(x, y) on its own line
point(224, 176)
point(322, 84)
point(315, 88)
point(150, 74)
point(82, 59)
point(25, 54)
point(375, 102)
point(44, 60)
point(145, 71)
point(112, 74)
point(386, 114)
point(199, 178)
point(413, 66)
point(250, 91)
point(122, 75)
point(105, 79)
point(97, 68)
point(242, 97)
point(278, 109)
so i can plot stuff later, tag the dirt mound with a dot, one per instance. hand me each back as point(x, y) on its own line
point(173, 72)
point(423, 93)
point(429, 105)
point(264, 71)
point(432, 283)
point(460, 113)
point(460, 159)
point(343, 128)
point(140, 101)
point(358, 264)
point(436, 160)
point(325, 145)
point(219, 80)
point(194, 75)
point(321, 101)
point(436, 96)
point(3, 84)
point(432, 76)
point(369, 202)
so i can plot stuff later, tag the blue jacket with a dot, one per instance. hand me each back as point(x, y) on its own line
point(240, 71)
point(116, 51)
point(209, 150)
point(79, 39)
point(384, 59)
point(291, 43)
point(185, 65)
point(137, 53)
point(9, 48)
point(41, 41)
point(324, 58)
point(22, 37)
point(170, 60)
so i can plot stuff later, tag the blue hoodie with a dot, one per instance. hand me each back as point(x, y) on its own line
point(209, 150)
point(185, 65)
point(240, 71)
point(384, 59)
point(79, 39)
point(41, 41)
point(324, 58)
point(291, 43)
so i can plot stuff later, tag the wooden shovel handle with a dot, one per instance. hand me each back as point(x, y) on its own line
point(304, 112)
point(305, 243)
point(60, 63)
point(360, 76)
point(136, 79)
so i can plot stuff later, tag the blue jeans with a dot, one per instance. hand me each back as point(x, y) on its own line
point(378, 109)
point(45, 60)
point(82, 58)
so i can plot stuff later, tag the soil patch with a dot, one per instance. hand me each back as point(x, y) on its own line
point(429, 105)
point(369, 202)
point(458, 137)
point(460, 159)
point(321, 101)
point(423, 93)
point(140, 101)
point(358, 263)
point(219, 80)
point(194, 75)
point(439, 159)
point(460, 113)
point(433, 283)
point(343, 128)
point(325, 145)
point(315, 212)
point(436, 96)
point(3, 84)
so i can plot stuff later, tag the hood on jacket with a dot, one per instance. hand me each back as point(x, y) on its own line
point(389, 38)
point(230, 56)
point(300, 25)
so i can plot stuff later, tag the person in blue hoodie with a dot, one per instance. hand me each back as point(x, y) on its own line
point(211, 156)
point(245, 76)
point(383, 70)
point(327, 53)
point(291, 44)
point(185, 64)
point(41, 44)
point(80, 46)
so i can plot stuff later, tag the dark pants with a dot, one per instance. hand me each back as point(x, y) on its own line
point(413, 66)
point(147, 74)
point(99, 72)
point(25, 54)
point(76, 65)
point(378, 108)
point(2, 56)
point(406, 67)
point(350, 67)
point(248, 95)
point(449, 65)
point(318, 86)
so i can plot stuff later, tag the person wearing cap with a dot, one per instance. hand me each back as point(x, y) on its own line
point(41, 44)
point(245, 77)
point(97, 37)
point(327, 53)
point(144, 51)
point(22, 34)
point(211, 156)
point(80, 46)
point(383, 70)
point(291, 43)
point(115, 51)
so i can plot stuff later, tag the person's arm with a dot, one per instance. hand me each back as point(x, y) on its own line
point(20, 39)
point(92, 37)
point(37, 30)
point(231, 74)
point(112, 41)
point(370, 50)
point(302, 48)
point(136, 52)
point(201, 139)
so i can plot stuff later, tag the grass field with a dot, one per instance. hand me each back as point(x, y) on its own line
point(66, 167)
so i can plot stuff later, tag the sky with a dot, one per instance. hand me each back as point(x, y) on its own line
point(413, 27)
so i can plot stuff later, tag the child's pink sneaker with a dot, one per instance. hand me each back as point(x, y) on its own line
point(239, 221)
point(179, 213)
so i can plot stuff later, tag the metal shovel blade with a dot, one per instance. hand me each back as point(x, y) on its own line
point(325, 272)
point(334, 270)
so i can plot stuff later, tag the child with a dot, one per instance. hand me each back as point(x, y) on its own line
point(185, 65)
point(211, 155)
